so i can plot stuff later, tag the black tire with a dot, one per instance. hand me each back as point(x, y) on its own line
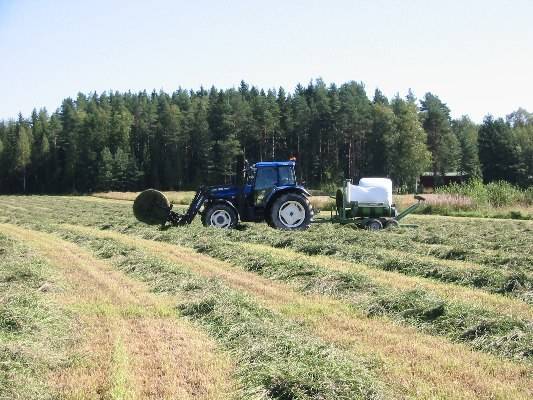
point(220, 216)
point(281, 215)
point(392, 224)
point(374, 225)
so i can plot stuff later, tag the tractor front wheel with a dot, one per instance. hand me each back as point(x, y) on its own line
point(220, 216)
point(291, 211)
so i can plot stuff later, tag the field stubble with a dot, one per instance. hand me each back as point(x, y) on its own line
point(356, 279)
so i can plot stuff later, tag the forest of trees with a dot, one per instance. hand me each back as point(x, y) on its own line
point(131, 141)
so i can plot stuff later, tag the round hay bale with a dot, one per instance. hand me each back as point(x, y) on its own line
point(151, 207)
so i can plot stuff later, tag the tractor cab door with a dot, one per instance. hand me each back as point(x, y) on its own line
point(266, 180)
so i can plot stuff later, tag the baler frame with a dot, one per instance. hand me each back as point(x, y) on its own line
point(339, 214)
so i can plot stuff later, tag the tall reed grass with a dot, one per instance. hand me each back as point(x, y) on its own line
point(494, 194)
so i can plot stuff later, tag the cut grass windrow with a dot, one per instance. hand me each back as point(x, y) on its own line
point(516, 283)
point(490, 323)
point(484, 327)
point(392, 250)
point(286, 363)
point(35, 332)
point(413, 364)
point(126, 355)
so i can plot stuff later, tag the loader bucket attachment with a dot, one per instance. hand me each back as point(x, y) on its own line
point(151, 207)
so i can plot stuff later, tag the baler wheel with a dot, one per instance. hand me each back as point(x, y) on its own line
point(392, 224)
point(374, 225)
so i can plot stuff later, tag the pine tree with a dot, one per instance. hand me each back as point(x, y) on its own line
point(67, 146)
point(409, 156)
point(381, 142)
point(499, 153)
point(120, 170)
point(521, 122)
point(40, 156)
point(380, 98)
point(224, 146)
point(298, 137)
point(467, 134)
point(120, 124)
point(356, 124)
point(442, 142)
point(200, 142)
point(105, 170)
point(23, 150)
point(171, 141)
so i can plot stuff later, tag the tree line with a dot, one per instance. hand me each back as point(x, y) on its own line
point(130, 141)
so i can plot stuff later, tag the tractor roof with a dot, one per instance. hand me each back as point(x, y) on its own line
point(275, 164)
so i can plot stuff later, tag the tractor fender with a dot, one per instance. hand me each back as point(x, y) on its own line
point(288, 189)
point(208, 204)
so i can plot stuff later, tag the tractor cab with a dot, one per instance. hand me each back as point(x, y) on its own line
point(264, 178)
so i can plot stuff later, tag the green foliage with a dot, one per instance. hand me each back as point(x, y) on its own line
point(493, 194)
point(105, 170)
point(501, 156)
point(409, 156)
point(467, 134)
point(186, 139)
point(399, 251)
point(442, 142)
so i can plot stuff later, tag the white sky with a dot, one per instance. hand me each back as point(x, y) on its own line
point(477, 56)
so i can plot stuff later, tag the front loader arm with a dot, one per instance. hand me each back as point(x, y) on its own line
point(185, 219)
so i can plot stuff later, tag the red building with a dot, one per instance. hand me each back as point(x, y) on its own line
point(427, 181)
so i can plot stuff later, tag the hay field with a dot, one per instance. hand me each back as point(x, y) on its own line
point(94, 304)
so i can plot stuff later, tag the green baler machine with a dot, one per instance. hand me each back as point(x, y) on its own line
point(369, 205)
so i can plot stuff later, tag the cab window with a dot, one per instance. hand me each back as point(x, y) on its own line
point(286, 176)
point(266, 177)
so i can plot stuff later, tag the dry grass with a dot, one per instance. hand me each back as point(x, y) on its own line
point(405, 200)
point(7, 204)
point(413, 363)
point(128, 355)
point(322, 202)
point(460, 205)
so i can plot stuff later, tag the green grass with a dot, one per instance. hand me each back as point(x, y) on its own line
point(34, 332)
point(121, 385)
point(475, 199)
point(279, 358)
point(483, 329)
point(501, 253)
point(503, 335)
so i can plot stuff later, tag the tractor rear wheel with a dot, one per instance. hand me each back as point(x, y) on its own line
point(291, 211)
point(220, 216)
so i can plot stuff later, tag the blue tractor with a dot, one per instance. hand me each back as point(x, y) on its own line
point(267, 191)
